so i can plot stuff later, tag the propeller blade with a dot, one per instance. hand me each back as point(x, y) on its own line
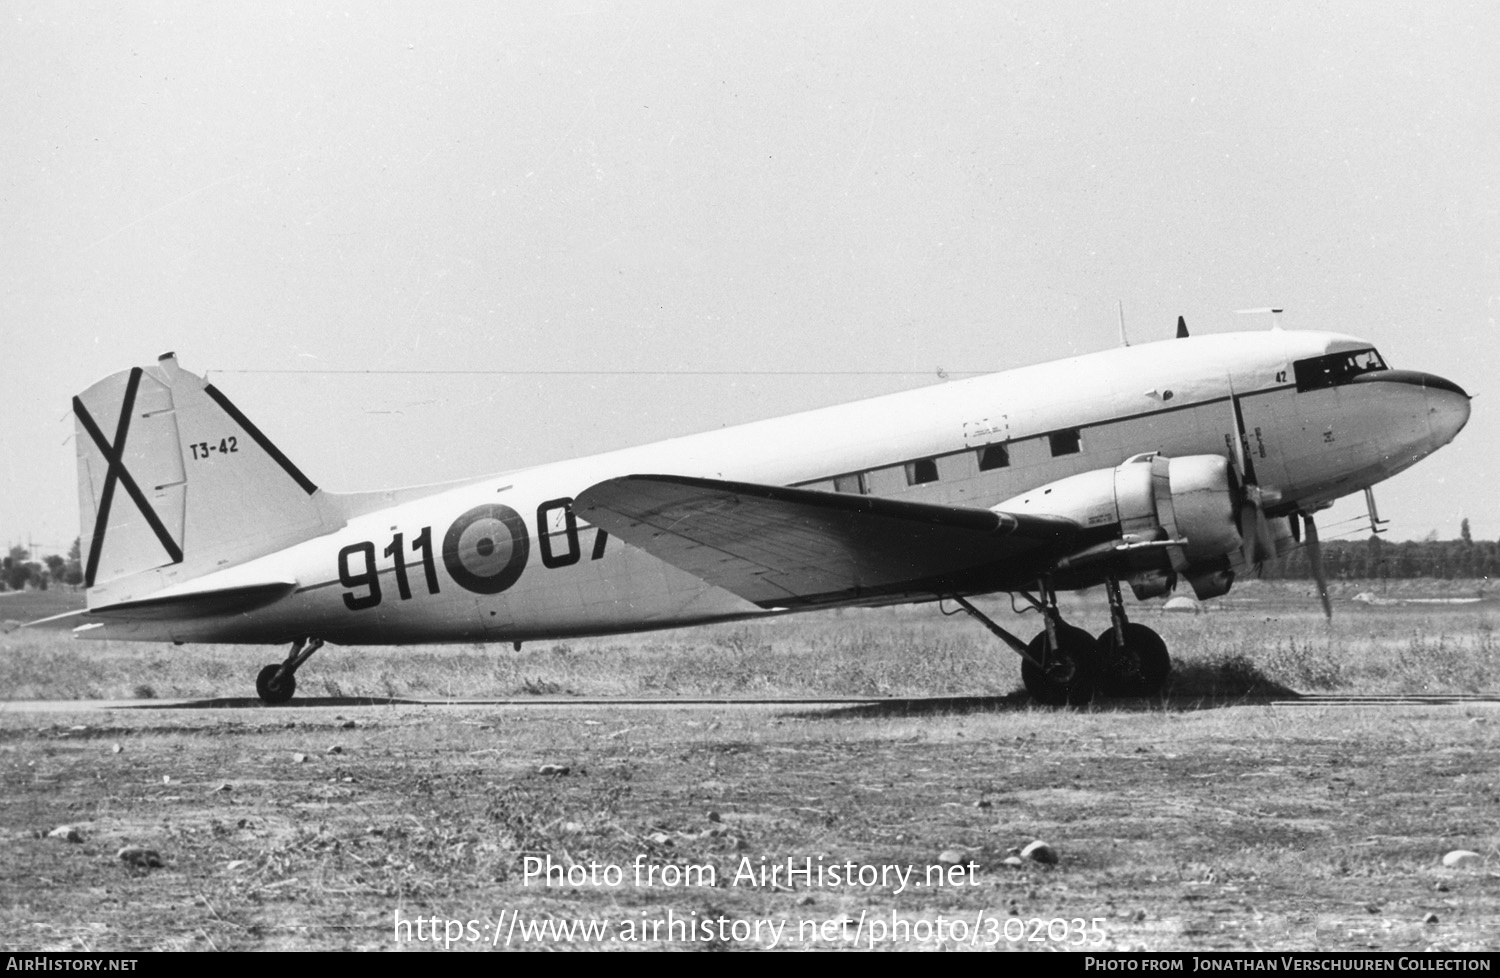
point(1315, 558)
point(1264, 538)
point(1243, 467)
point(1237, 462)
point(1257, 536)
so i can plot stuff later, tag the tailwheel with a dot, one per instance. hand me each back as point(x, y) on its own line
point(1139, 666)
point(272, 692)
point(1068, 673)
point(278, 683)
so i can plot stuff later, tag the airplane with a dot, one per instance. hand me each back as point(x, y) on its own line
point(1189, 460)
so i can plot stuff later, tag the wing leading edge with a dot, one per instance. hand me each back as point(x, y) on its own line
point(780, 547)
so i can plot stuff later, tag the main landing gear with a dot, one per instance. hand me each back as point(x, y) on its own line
point(277, 683)
point(1133, 658)
point(1064, 664)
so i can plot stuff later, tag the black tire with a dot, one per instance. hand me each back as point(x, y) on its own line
point(1072, 670)
point(1138, 668)
point(280, 692)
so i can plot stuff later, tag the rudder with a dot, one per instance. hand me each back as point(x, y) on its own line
point(174, 482)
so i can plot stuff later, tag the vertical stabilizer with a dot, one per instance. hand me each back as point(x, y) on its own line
point(174, 482)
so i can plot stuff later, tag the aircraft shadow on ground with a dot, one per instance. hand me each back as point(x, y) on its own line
point(1192, 687)
point(251, 702)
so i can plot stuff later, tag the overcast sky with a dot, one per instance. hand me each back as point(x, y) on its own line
point(861, 189)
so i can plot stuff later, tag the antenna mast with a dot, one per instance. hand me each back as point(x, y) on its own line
point(1275, 314)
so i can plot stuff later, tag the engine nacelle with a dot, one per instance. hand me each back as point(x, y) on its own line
point(1152, 518)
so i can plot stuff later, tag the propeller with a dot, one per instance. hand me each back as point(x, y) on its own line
point(1255, 526)
point(1259, 539)
point(1315, 558)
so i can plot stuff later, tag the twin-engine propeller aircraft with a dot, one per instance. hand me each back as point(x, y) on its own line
point(1188, 460)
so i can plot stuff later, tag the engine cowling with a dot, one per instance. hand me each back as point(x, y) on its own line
point(1149, 519)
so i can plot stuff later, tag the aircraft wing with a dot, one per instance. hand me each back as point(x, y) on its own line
point(780, 547)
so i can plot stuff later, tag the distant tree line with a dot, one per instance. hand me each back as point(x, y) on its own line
point(18, 571)
point(1375, 559)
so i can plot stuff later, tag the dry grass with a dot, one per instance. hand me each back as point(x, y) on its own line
point(1269, 637)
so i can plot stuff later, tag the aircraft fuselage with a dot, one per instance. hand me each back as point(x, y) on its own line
point(506, 559)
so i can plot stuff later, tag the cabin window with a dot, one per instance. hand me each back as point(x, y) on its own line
point(1065, 442)
point(1335, 368)
point(885, 481)
point(994, 457)
point(920, 471)
point(850, 483)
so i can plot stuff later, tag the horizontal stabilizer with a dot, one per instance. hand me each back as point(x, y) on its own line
point(175, 603)
point(52, 619)
point(781, 547)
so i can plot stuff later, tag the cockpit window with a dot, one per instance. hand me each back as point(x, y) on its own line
point(1335, 368)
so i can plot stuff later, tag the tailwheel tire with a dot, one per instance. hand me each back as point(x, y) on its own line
point(272, 692)
point(1139, 667)
point(1071, 670)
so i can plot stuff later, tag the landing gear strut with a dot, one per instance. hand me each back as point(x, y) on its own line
point(1066, 665)
point(277, 683)
point(1059, 666)
point(1063, 667)
point(1133, 658)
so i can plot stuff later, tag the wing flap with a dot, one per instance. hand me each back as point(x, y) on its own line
point(784, 547)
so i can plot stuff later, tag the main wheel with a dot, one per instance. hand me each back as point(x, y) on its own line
point(1071, 669)
point(1139, 667)
point(272, 692)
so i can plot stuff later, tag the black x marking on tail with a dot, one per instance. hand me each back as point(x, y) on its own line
point(114, 455)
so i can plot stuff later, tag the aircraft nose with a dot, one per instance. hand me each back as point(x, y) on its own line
point(1447, 403)
point(1447, 408)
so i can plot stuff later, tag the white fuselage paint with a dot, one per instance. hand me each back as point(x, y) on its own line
point(1171, 397)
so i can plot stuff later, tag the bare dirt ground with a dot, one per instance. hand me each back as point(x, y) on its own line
point(1210, 820)
point(1249, 827)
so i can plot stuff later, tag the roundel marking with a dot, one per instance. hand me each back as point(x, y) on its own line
point(485, 549)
